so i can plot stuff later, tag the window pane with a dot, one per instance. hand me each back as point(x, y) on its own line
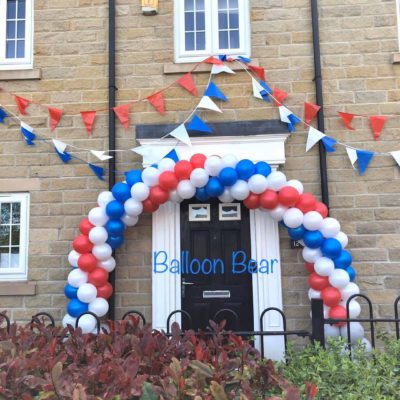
point(21, 9)
point(5, 213)
point(200, 41)
point(200, 22)
point(10, 29)
point(21, 49)
point(189, 21)
point(11, 9)
point(234, 20)
point(223, 40)
point(235, 42)
point(222, 20)
point(233, 4)
point(189, 5)
point(14, 257)
point(5, 235)
point(10, 49)
point(4, 258)
point(15, 231)
point(200, 5)
point(222, 4)
point(21, 30)
point(16, 213)
point(189, 41)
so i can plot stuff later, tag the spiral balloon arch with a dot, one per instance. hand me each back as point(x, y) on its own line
point(331, 275)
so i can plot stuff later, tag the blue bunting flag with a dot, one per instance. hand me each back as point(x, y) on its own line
point(3, 115)
point(98, 171)
point(214, 91)
point(329, 144)
point(364, 158)
point(65, 157)
point(28, 134)
point(197, 124)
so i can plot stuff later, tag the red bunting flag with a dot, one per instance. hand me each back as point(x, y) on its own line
point(22, 104)
point(310, 111)
point(187, 82)
point(213, 60)
point(55, 116)
point(157, 101)
point(122, 113)
point(377, 123)
point(279, 95)
point(259, 71)
point(88, 119)
point(347, 118)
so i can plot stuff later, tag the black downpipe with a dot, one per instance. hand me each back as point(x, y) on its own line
point(111, 124)
point(320, 101)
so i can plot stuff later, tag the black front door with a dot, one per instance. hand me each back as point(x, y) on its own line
point(215, 253)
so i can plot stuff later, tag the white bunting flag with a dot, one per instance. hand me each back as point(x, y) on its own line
point(352, 153)
point(27, 127)
point(314, 136)
point(101, 155)
point(152, 154)
point(60, 146)
point(208, 104)
point(217, 69)
point(284, 114)
point(181, 134)
point(257, 89)
point(396, 156)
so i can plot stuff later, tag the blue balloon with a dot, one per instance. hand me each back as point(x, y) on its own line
point(115, 241)
point(115, 209)
point(313, 239)
point(331, 248)
point(228, 176)
point(263, 168)
point(214, 187)
point(344, 260)
point(352, 273)
point(134, 176)
point(76, 308)
point(202, 194)
point(245, 169)
point(70, 291)
point(121, 191)
point(115, 227)
point(297, 233)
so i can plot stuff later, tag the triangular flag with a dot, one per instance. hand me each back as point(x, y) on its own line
point(187, 82)
point(214, 91)
point(243, 59)
point(259, 71)
point(98, 171)
point(314, 136)
point(396, 156)
point(101, 155)
point(257, 89)
point(284, 114)
point(181, 134)
point(213, 60)
point(88, 119)
point(329, 144)
point(208, 104)
point(364, 158)
point(3, 115)
point(197, 124)
point(279, 96)
point(377, 123)
point(152, 154)
point(173, 156)
point(122, 112)
point(157, 101)
point(217, 69)
point(65, 157)
point(22, 104)
point(310, 111)
point(266, 92)
point(347, 118)
point(27, 132)
point(294, 120)
point(352, 153)
point(55, 115)
point(60, 146)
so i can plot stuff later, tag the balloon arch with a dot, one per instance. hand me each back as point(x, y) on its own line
point(329, 264)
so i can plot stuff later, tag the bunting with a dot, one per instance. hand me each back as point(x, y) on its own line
point(158, 102)
point(214, 91)
point(294, 120)
point(347, 118)
point(181, 134)
point(27, 132)
point(3, 115)
point(352, 153)
point(99, 171)
point(377, 123)
point(396, 156)
point(88, 119)
point(64, 156)
point(266, 92)
point(279, 96)
point(314, 136)
point(22, 104)
point(101, 155)
point(208, 104)
point(60, 146)
point(197, 124)
point(173, 156)
point(329, 144)
point(187, 82)
point(122, 112)
point(213, 60)
point(257, 89)
point(152, 154)
point(364, 158)
point(310, 112)
point(55, 116)
point(217, 69)
point(259, 71)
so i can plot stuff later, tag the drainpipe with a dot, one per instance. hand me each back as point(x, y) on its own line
point(111, 124)
point(320, 101)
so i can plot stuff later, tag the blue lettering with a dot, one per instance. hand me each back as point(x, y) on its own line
point(175, 267)
point(163, 263)
point(203, 270)
point(216, 262)
point(235, 263)
point(264, 267)
point(272, 264)
point(195, 260)
point(252, 266)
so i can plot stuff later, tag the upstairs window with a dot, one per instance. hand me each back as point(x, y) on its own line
point(211, 27)
point(16, 34)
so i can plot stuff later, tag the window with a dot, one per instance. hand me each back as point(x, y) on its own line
point(16, 34)
point(211, 27)
point(14, 216)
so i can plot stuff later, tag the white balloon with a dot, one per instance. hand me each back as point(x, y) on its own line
point(104, 198)
point(257, 183)
point(109, 264)
point(293, 217)
point(73, 257)
point(356, 332)
point(87, 323)
point(102, 251)
point(312, 220)
point(330, 227)
point(332, 331)
point(97, 216)
point(185, 189)
point(226, 197)
point(150, 176)
point(133, 207)
point(240, 190)
point(87, 293)
point(199, 177)
point(324, 266)
point(311, 255)
point(296, 184)
point(349, 290)
point(354, 308)
point(140, 191)
point(343, 239)
point(129, 220)
point(278, 213)
point(166, 164)
point(68, 320)
point(174, 197)
point(99, 307)
point(276, 180)
point(98, 235)
point(230, 160)
point(213, 165)
point(367, 345)
point(339, 278)
point(314, 294)
point(77, 278)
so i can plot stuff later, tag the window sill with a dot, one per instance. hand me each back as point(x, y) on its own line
point(20, 74)
point(17, 288)
point(172, 68)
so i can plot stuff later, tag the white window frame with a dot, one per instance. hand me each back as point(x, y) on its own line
point(211, 26)
point(20, 273)
point(17, 63)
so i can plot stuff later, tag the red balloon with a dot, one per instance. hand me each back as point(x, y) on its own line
point(98, 277)
point(338, 312)
point(269, 199)
point(85, 226)
point(198, 160)
point(331, 296)
point(82, 244)
point(310, 267)
point(87, 262)
point(322, 209)
point(105, 291)
point(306, 203)
point(252, 201)
point(288, 196)
point(149, 206)
point(168, 181)
point(183, 169)
point(318, 282)
point(158, 196)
